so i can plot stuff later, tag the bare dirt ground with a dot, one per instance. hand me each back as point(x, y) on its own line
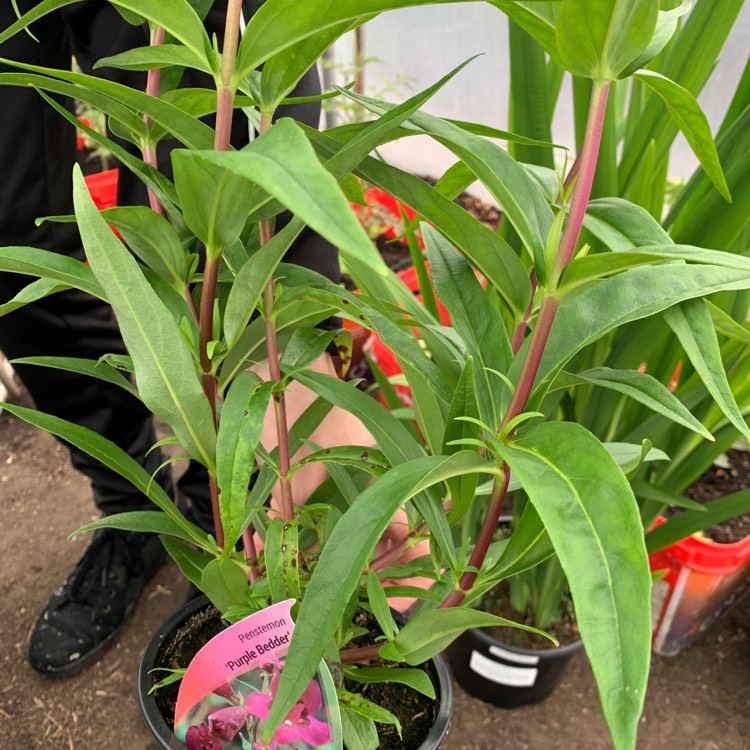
point(699, 700)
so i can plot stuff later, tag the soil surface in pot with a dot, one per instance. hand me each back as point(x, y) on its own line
point(695, 700)
point(564, 630)
point(720, 481)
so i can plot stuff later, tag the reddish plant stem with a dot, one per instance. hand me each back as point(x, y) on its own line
point(251, 554)
point(152, 89)
point(586, 169)
point(398, 549)
point(225, 96)
point(520, 332)
point(360, 655)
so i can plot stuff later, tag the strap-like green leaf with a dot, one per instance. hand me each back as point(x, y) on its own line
point(692, 324)
point(592, 518)
point(167, 379)
point(686, 112)
point(34, 291)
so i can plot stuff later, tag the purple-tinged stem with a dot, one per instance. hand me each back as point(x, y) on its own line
point(225, 95)
point(251, 554)
point(398, 549)
point(152, 89)
point(585, 178)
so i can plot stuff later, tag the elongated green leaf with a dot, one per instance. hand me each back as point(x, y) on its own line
point(152, 521)
point(600, 38)
point(727, 326)
point(100, 370)
point(379, 603)
point(426, 635)
point(167, 379)
point(591, 516)
point(224, 583)
point(111, 456)
point(283, 163)
point(688, 115)
point(175, 16)
point(528, 545)
point(519, 196)
point(666, 25)
point(464, 404)
point(52, 267)
point(152, 239)
point(242, 417)
point(359, 733)
point(417, 679)
point(633, 295)
point(34, 291)
point(692, 521)
point(692, 324)
point(342, 561)
point(490, 254)
point(648, 391)
point(190, 562)
point(150, 58)
point(475, 318)
point(538, 19)
point(365, 458)
point(622, 225)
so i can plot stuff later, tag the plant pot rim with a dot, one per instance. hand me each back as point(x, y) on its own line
point(706, 555)
point(544, 653)
point(156, 723)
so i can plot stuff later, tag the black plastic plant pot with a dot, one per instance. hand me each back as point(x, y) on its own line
point(507, 676)
point(162, 731)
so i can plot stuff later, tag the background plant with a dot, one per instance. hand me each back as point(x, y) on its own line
point(191, 355)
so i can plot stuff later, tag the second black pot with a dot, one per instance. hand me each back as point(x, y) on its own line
point(507, 676)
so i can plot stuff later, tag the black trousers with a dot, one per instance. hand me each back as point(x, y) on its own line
point(37, 153)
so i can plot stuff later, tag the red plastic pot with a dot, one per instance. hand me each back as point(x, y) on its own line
point(703, 580)
point(103, 188)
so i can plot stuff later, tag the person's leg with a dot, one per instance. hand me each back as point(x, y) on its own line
point(37, 151)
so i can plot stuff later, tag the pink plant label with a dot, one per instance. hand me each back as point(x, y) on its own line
point(229, 686)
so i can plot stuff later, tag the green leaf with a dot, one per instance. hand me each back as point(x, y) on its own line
point(282, 552)
point(150, 58)
point(464, 404)
point(538, 19)
point(365, 458)
point(359, 733)
point(584, 318)
point(339, 569)
point(242, 417)
point(528, 545)
point(474, 317)
point(686, 112)
point(111, 456)
point(648, 391)
point(379, 603)
point(177, 17)
point(600, 38)
point(52, 267)
point(417, 679)
point(426, 635)
point(100, 370)
point(666, 25)
point(691, 323)
point(588, 509)
point(629, 456)
point(693, 521)
point(492, 256)
point(32, 292)
point(224, 583)
point(360, 705)
point(167, 379)
point(190, 562)
point(622, 225)
point(726, 325)
point(152, 238)
point(517, 194)
point(284, 164)
point(151, 521)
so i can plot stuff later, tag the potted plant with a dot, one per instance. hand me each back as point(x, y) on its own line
point(475, 393)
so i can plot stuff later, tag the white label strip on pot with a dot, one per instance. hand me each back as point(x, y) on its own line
point(513, 656)
point(502, 673)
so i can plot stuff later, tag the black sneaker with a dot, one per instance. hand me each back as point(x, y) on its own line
point(91, 606)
